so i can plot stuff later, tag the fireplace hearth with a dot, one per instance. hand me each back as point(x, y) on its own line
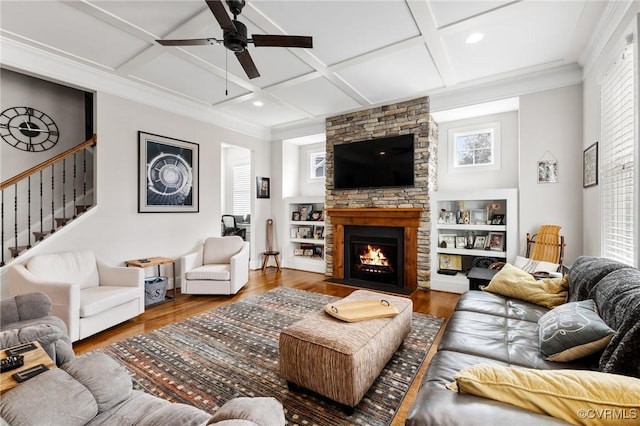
point(374, 255)
point(390, 233)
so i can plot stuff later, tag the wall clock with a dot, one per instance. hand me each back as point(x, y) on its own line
point(28, 129)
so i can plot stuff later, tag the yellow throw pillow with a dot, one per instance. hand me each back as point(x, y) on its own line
point(580, 397)
point(514, 282)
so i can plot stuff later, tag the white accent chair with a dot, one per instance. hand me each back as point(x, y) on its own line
point(87, 294)
point(220, 266)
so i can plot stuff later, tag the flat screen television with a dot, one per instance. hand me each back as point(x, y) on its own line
point(374, 163)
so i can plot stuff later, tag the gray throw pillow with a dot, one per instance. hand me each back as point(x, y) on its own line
point(571, 331)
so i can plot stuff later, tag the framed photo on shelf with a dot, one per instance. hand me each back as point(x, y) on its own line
point(304, 232)
point(478, 217)
point(451, 261)
point(295, 216)
point(480, 242)
point(461, 241)
point(497, 219)
point(305, 211)
point(449, 217)
point(317, 216)
point(318, 232)
point(449, 240)
point(496, 241)
point(293, 232)
point(590, 166)
point(168, 173)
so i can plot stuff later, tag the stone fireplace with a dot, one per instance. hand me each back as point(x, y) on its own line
point(404, 208)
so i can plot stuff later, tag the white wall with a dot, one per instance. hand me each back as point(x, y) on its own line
point(551, 124)
point(309, 187)
point(505, 177)
point(116, 231)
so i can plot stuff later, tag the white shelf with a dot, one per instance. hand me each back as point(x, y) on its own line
point(302, 262)
point(448, 200)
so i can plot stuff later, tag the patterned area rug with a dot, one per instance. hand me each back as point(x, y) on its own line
point(232, 351)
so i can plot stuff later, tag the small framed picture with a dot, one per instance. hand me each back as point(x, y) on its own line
point(316, 215)
point(295, 216)
point(293, 232)
point(449, 217)
point(548, 171)
point(496, 241)
point(263, 187)
point(480, 242)
point(497, 219)
point(304, 232)
point(451, 261)
point(590, 166)
point(447, 240)
point(478, 217)
point(461, 241)
point(305, 211)
point(318, 232)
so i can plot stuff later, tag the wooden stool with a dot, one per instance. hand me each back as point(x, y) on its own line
point(275, 255)
point(270, 251)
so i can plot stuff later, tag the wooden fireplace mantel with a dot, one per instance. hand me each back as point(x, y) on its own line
point(407, 218)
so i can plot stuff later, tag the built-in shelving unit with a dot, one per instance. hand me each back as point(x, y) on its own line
point(305, 233)
point(480, 213)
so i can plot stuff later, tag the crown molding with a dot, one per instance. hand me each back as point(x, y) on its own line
point(28, 59)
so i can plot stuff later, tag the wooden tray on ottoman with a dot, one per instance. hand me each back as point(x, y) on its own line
point(361, 310)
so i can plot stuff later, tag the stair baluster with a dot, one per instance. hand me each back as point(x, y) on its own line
point(75, 207)
point(41, 209)
point(15, 220)
point(53, 210)
point(29, 212)
point(2, 231)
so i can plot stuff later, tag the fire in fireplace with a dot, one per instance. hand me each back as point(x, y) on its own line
point(374, 255)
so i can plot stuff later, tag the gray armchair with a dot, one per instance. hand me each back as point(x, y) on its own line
point(27, 318)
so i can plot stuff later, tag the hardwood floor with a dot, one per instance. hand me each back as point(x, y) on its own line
point(434, 303)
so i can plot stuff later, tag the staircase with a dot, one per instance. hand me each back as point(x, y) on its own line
point(45, 198)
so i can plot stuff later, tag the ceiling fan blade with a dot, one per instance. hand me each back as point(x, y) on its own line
point(247, 64)
point(282, 40)
point(218, 10)
point(188, 42)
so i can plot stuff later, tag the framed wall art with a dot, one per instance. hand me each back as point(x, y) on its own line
point(590, 166)
point(263, 187)
point(167, 174)
point(495, 241)
point(548, 171)
point(451, 262)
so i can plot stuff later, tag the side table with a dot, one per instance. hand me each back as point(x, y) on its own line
point(480, 277)
point(156, 261)
point(31, 359)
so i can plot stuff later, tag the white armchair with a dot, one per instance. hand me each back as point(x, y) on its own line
point(220, 266)
point(87, 294)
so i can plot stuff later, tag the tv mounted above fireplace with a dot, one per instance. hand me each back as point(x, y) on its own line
point(374, 163)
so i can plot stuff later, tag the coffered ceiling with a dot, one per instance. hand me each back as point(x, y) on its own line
point(365, 52)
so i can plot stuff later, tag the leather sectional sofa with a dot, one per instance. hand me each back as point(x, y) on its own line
point(490, 328)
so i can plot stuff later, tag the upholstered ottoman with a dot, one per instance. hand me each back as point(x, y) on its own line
point(340, 360)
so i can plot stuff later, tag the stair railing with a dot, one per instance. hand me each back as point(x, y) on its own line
point(19, 188)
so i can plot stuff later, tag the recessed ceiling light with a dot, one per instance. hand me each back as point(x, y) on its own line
point(474, 38)
point(258, 103)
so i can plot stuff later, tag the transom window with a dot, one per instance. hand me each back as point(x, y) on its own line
point(317, 165)
point(474, 148)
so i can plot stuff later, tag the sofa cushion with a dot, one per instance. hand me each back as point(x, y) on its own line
point(531, 266)
point(51, 398)
point(573, 330)
point(220, 249)
point(514, 282)
point(94, 300)
point(263, 411)
point(24, 307)
point(78, 267)
point(575, 396)
point(210, 272)
point(108, 381)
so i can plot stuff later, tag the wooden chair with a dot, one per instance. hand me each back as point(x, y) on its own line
point(546, 245)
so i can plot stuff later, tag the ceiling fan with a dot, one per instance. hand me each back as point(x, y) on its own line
point(235, 36)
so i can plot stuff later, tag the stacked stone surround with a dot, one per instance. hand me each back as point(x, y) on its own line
point(390, 120)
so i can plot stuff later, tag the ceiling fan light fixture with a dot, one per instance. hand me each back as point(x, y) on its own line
point(474, 38)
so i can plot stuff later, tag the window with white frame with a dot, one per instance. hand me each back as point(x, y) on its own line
point(241, 189)
point(317, 165)
point(618, 171)
point(474, 148)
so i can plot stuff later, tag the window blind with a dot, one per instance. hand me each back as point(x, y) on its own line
point(241, 189)
point(617, 172)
